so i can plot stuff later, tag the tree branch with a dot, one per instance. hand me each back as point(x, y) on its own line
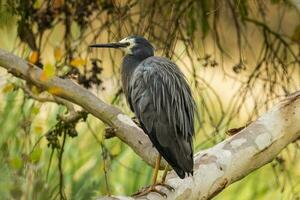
point(215, 168)
point(236, 157)
point(66, 89)
point(72, 115)
point(48, 98)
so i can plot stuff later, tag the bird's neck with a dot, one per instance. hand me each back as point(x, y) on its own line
point(130, 62)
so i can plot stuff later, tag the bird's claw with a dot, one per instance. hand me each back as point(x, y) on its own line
point(152, 188)
point(170, 188)
point(148, 190)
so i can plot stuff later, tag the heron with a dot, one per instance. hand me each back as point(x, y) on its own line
point(160, 97)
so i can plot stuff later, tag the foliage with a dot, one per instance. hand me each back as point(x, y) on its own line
point(240, 40)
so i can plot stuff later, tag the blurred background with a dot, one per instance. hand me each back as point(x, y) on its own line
point(239, 56)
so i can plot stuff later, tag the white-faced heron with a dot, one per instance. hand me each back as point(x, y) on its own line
point(161, 99)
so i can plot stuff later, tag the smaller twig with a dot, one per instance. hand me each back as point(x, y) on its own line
point(49, 164)
point(275, 34)
point(73, 114)
point(36, 143)
point(45, 98)
point(61, 175)
point(104, 154)
point(116, 96)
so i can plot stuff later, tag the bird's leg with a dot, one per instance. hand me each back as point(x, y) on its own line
point(156, 169)
point(163, 179)
point(152, 188)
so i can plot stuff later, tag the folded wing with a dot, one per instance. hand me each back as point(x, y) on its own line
point(162, 101)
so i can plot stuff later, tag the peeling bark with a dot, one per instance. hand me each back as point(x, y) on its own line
point(215, 168)
point(237, 156)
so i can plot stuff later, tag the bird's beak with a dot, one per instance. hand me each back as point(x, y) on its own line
point(111, 45)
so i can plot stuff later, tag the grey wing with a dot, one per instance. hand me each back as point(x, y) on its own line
point(162, 101)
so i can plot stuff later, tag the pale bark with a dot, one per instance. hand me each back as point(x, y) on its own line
point(214, 168)
point(237, 156)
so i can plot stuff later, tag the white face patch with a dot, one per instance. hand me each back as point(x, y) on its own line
point(131, 41)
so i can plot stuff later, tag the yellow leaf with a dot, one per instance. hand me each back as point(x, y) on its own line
point(54, 90)
point(33, 57)
point(8, 88)
point(57, 53)
point(38, 129)
point(78, 62)
point(37, 4)
point(48, 72)
point(116, 149)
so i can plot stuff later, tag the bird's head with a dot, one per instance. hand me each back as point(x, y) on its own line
point(133, 45)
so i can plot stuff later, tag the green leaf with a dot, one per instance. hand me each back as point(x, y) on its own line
point(16, 163)
point(38, 4)
point(35, 110)
point(36, 155)
point(116, 149)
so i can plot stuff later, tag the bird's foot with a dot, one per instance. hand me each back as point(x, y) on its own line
point(152, 188)
point(148, 190)
point(170, 188)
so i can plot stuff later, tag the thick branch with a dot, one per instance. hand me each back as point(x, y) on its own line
point(127, 130)
point(236, 157)
point(214, 168)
